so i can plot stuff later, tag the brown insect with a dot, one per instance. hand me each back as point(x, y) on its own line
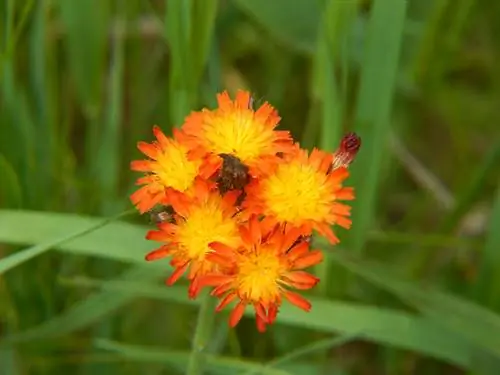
point(346, 152)
point(233, 174)
point(162, 214)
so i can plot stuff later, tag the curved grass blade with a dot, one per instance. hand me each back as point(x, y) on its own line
point(179, 359)
point(22, 256)
point(470, 322)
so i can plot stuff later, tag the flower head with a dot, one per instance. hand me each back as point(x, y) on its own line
point(302, 192)
point(169, 168)
point(234, 128)
point(199, 219)
point(261, 272)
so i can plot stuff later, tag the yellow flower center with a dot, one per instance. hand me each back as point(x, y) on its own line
point(238, 133)
point(297, 192)
point(205, 224)
point(258, 276)
point(174, 169)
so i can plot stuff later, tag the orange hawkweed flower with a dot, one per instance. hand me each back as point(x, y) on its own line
point(261, 271)
point(199, 219)
point(169, 167)
point(303, 192)
point(234, 128)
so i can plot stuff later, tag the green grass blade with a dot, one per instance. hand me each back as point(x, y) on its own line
point(10, 187)
point(316, 346)
point(378, 79)
point(85, 312)
point(179, 359)
point(14, 260)
point(487, 288)
point(203, 16)
point(117, 240)
point(471, 322)
point(108, 150)
point(374, 324)
point(297, 27)
point(86, 47)
point(182, 93)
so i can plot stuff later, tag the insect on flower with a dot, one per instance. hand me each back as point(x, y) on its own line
point(346, 152)
point(233, 174)
point(162, 214)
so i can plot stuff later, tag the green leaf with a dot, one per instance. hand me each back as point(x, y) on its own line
point(180, 359)
point(10, 188)
point(117, 240)
point(297, 27)
point(470, 322)
point(22, 256)
point(374, 107)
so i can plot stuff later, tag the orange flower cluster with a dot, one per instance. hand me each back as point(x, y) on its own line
point(239, 202)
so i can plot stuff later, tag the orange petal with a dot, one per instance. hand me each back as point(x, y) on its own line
point(326, 231)
point(178, 272)
point(298, 251)
point(237, 314)
point(308, 260)
point(261, 323)
point(221, 249)
point(148, 149)
point(213, 280)
point(245, 235)
point(160, 136)
point(345, 194)
point(141, 165)
point(301, 280)
point(341, 209)
point(260, 311)
point(272, 313)
point(219, 259)
point(157, 235)
point(222, 289)
point(254, 230)
point(343, 222)
point(242, 99)
point(225, 301)
point(160, 253)
point(297, 300)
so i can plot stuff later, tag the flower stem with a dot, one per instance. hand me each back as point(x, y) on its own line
point(202, 335)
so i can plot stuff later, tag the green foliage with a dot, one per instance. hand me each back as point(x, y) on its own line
point(413, 288)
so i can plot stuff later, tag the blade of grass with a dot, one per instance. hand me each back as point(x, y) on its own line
point(14, 260)
point(10, 188)
point(316, 346)
point(203, 16)
point(487, 285)
point(108, 149)
point(378, 79)
point(179, 359)
point(386, 326)
point(297, 27)
point(87, 311)
point(338, 16)
point(42, 92)
point(471, 322)
point(182, 94)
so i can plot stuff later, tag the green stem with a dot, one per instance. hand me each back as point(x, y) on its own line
point(202, 335)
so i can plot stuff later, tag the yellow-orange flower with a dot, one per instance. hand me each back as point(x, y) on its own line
point(261, 271)
point(199, 219)
point(303, 193)
point(170, 167)
point(234, 128)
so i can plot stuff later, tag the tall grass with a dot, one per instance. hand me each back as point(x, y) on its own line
point(413, 287)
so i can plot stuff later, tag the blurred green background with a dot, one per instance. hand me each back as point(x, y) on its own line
point(414, 286)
